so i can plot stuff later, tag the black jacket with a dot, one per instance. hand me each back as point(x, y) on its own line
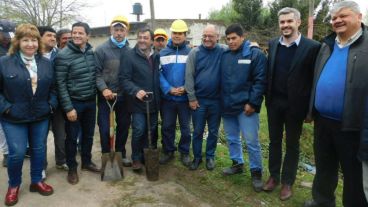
point(356, 79)
point(136, 75)
point(300, 76)
point(75, 75)
point(16, 90)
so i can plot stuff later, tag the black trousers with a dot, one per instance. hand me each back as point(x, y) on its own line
point(334, 148)
point(278, 118)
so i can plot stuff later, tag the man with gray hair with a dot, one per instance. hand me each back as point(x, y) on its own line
point(289, 76)
point(337, 102)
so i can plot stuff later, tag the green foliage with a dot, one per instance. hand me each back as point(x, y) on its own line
point(249, 12)
point(227, 14)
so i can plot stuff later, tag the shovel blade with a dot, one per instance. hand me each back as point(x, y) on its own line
point(111, 168)
point(151, 159)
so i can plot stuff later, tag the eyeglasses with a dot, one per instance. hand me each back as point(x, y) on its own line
point(208, 36)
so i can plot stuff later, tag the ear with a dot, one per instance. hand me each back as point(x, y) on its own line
point(298, 22)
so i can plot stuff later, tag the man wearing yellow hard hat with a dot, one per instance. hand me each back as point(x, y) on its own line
point(160, 39)
point(174, 100)
point(108, 61)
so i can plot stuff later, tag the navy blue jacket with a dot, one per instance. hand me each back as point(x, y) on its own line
point(16, 90)
point(173, 60)
point(243, 79)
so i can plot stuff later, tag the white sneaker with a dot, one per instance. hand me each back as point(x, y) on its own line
point(62, 167)
point(44, 175)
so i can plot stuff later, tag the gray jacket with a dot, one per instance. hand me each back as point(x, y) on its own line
point(108, 62)
point(356, 79)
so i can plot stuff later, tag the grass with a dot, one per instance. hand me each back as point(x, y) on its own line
point(236, 190)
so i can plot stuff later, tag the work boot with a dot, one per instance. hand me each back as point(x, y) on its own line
point(257, 180)
point(236, 168)
point(270, 185)
point(73, 176)
point(5, 160)
point(210, 164)
point(166, 158)
point(185, 159)
point(195, 164)
point(137, 166)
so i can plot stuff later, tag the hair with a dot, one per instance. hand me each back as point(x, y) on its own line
point(146, 29)
point(353, 6)
point(25, 30)
point(86, 27)
point(289, 10)
point(44, 29)
point(216, 28)
point(234, 28)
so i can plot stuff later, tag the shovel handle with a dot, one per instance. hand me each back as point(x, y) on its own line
point(112, 123)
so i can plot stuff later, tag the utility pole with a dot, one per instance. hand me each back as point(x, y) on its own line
point(152, 8)
point(310, 19)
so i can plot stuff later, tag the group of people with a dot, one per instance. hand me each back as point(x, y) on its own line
point(43, 84)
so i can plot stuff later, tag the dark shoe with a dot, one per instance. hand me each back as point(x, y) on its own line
point(270, 184)
point(42, 188)
point(5, 160)
point(195, 164)
point(257, 181)
point(166, 158)
point(286, 192)
point(73, 177)
point(28, 153)
point(236, 168)
point(311, 203)
point(126, 162)
point(92, 167)
point(11, 197)
point(210, 164)
point(185, 159)
point(137, 165)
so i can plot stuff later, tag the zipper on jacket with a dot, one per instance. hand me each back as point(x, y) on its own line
point(352, 70)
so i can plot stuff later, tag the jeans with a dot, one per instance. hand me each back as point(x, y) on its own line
point(86, 113)
point(17, 137)
point(333, 149)
point(278, 117)
point(170, 110)
point(248, 126)
point(209, 111)
point(139, 133)
point(123, 119)
point(3, 145)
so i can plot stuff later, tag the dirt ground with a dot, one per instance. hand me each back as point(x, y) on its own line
point(133, 190)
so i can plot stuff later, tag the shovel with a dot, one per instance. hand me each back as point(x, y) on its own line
point(111, 167)
point(151, 155)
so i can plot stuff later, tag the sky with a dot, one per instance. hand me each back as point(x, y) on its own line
point(101, 12)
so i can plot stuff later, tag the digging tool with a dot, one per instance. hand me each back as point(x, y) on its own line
point(151, 155)
point(112, 167)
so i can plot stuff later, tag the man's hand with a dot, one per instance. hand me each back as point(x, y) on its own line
point(72, 115)
point(193, 105)
point(107, 93)
point(181, 91)
point(141, 94)
point(175, 91)
point(248, 110)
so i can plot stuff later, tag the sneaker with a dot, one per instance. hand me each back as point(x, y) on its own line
point(5, 160)
point(62, 167)
point(185, 159)
point(166, 158)
point(236, 168)
point(44, 175)
point(257, 182)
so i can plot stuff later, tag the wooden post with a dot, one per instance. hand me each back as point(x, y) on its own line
point(310, 19)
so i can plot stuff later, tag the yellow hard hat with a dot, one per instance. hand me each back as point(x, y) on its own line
point(179, 26)
point(160, 33)
point(123, 21)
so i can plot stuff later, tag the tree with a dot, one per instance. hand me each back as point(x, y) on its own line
point(250, 12)
point(42, 12)
point(227, 14)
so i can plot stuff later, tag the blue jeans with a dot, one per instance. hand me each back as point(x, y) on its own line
point(139, 133)
point(169, 111)
point(209, 111)
point(17, 136)
point(122, 117)
point(86, 113)
point(248, 126)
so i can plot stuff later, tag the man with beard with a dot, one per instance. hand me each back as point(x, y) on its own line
point(290, 75)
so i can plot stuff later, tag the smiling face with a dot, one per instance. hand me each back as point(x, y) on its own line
point(178, 38)
point(49, 40)
point(79, 36)
point(345, 22)
point(144, 41)
point(209, 37)
point(289, 25)
point(28, 45)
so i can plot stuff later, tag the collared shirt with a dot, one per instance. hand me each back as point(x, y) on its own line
point(350, 41)
point(297, 41)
